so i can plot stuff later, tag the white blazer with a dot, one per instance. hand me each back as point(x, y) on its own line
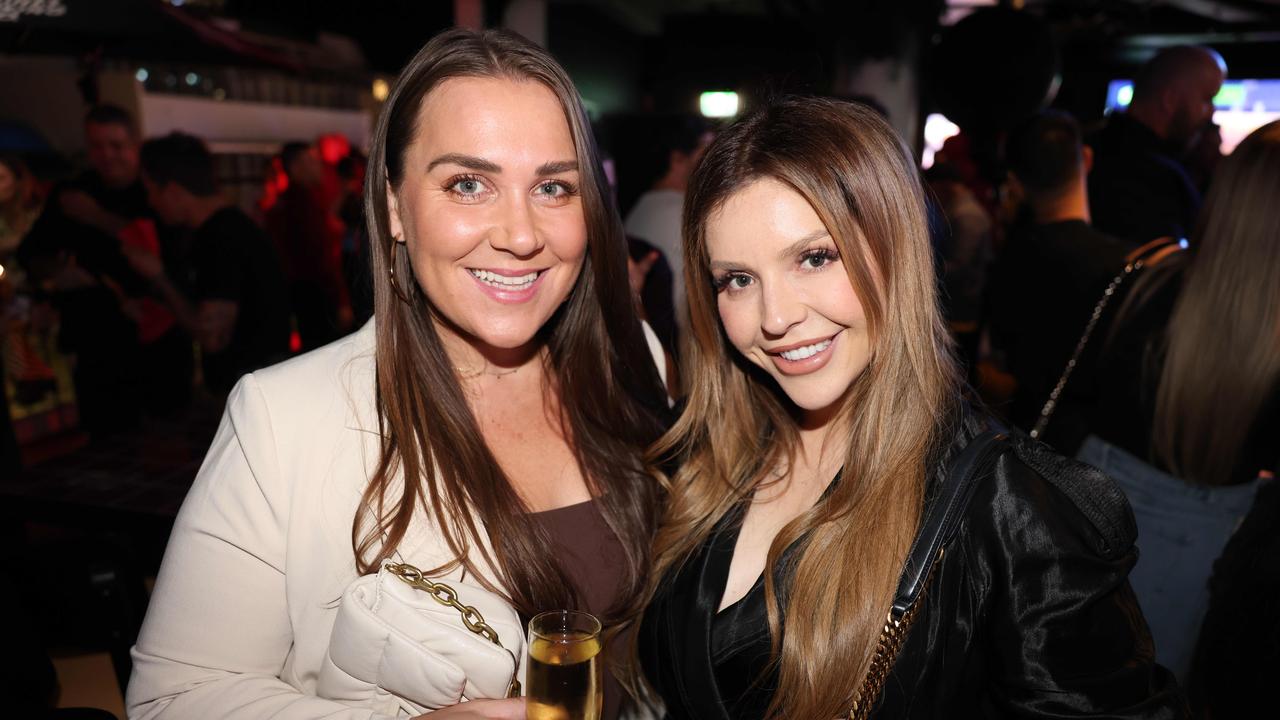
point(240, 618)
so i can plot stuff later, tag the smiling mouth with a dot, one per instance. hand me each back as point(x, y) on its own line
point(807, 351)
point(506, 282)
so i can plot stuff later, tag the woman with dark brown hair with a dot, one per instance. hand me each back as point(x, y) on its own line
point(819, 352)
point(487, 428)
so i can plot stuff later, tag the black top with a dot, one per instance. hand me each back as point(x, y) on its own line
point(1234, 672)
point(1029, 613)
point(232, 259)
point(1042, 292)
point(739, 639)
point(95, 251)
point(1138, 189)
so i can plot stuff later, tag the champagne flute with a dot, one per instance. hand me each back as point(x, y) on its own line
point(564, 676)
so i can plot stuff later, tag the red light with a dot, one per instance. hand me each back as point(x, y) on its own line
point(333, 147)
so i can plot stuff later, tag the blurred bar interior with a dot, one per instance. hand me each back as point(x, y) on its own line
point(87, 508)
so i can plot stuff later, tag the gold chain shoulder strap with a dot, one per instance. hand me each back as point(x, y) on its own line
point(471, 617)
point(937, 530)
point(891, 639)
point(1150, 254)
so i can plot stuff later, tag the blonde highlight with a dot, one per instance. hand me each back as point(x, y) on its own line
point(855, 173)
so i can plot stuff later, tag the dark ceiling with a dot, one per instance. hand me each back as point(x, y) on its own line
point(389, 31)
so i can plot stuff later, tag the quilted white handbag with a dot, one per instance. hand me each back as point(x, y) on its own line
point(403, 644)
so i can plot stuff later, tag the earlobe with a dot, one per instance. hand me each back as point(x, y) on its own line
point(393, 215)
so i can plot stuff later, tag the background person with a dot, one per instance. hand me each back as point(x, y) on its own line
point(1139, 188)
point(1052, 272)
point(238, 307)
point(300, 226)
point(676, 145)
point(130, 353)
point(20, 204)
point(1187, 390)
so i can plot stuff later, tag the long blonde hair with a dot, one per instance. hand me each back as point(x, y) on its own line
point(854, 171)
point(1223, 356)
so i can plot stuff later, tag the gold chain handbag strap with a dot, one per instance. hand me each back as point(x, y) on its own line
point(471, 617)
point(937, 529)
point(1147, 255)
point(887, 647)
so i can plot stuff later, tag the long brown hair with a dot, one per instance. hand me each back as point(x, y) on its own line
point(855, 173)
point(433, 455)
point(1223, 354)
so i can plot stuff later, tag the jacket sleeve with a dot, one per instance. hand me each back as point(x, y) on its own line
point(218, 630)
point(1067, 638)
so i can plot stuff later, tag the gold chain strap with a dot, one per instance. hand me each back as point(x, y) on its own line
point(891, 639)
point(1150, 254)
point(471, 617)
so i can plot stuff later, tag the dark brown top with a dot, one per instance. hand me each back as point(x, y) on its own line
point(590, 553)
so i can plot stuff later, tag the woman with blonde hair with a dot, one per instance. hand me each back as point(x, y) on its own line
point(1188, 384)
point(818, 353)
point(487, 428)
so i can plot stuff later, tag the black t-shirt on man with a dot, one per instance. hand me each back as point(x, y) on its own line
point(1042, 293)
point(232, 259)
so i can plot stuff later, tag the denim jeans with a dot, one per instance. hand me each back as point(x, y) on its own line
point(1182, 529)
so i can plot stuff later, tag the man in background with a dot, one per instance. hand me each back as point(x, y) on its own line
point(310, 249)
point(1054, 268)
point(1139, 188)
point(130, 353)
point(679, 142)
point(237, 308)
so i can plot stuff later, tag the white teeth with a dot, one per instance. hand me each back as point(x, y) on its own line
point(504, 282)
point(807, 351)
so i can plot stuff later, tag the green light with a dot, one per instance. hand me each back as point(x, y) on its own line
point(1231, 95)
point(1124, 95)
point(718, 104)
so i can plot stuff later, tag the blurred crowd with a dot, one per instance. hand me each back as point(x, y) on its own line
point(138, 282)
point(1114, 294)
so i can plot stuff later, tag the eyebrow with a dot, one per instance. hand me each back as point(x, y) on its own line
point(557, 166)
point(791, 250)
point(471, 162)
point(803, 243)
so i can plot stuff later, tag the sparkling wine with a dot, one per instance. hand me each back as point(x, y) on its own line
point(563, 680)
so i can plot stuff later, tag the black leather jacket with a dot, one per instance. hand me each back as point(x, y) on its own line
point(1030, 614)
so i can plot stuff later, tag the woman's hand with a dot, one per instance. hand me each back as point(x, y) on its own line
point(512, 709)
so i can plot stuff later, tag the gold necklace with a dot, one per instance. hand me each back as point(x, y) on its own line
point(465, 375)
